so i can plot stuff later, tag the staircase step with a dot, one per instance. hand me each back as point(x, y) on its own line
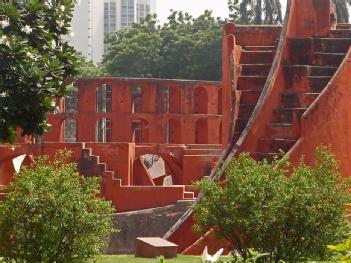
point(259, 48)
point(317, 84)
point(322, 70)
point(327, 59)
point(240, 124)
point(245, 111)
point(203, 151)
point(281, 130)
point(204, 146)
point(342, 33)
point(257, 57)
point(255, 69)
point(188, 195)
point(285, 115)
point(251, 82)
point(331, 45)
point(275, 144)
point(297, 99)
point(249, 96)
point(343, 26)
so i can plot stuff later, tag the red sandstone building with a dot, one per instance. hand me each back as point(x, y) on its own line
point(283, 88)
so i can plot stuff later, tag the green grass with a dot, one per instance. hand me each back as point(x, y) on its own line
point(132, 259)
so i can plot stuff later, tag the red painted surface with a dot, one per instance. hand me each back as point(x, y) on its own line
point(268, 99)
point(328, 122)
point(318, 111)
point(188, 108)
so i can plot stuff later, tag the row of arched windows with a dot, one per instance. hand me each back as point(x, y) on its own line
point(168, 100)
point(140, 131)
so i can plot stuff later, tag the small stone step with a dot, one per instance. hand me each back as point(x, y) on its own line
point(297, 99)
point(327, 59)
point(343, 33)
point(275, 144)
point(245, 111)
point(249, 96)
point(251, 82)
point(259, 48)
point(331, 45)
point(343, 26)
point(285, 115)
point(255, 69)
point(281, 130)
point(257, 57)
point(317, 84)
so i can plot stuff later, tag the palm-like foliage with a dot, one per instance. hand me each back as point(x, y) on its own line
point(342, 10)
point(255, 11)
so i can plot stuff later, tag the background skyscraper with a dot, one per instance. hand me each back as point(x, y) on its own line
point(94, 19)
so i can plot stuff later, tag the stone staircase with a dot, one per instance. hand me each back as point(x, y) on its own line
point(327, 55)
point(90, 165)
point(255, 64)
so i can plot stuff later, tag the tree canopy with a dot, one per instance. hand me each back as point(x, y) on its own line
point(290, 213)
point(35, 61)
point(184, 47)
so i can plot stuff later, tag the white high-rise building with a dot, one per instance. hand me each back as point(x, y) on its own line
point(87, 28)
point(120, 14)
point(94, 19)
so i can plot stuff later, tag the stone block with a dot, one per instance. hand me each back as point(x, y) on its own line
point(152, 247)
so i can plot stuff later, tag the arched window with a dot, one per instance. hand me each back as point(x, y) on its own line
point(103, 130)
point(173, 131)
point(200, 100)
point(71, 100)
point(70, 130)
point(201, 131)
point(162, 100)
point(103, 99)
point(140, 131)
point(136, 96)
point(175, 99)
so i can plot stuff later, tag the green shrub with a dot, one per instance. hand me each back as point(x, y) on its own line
point(259, 206)
point(343, 251)
point(51, 214)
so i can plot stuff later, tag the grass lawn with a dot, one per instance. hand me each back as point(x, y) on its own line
point(132, 259)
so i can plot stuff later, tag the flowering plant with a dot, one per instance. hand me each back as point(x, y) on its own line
point(35, 61)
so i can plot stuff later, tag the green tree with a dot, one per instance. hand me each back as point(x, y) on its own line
point(191, 47)
point(342, 10)
point(184, 47)
point(134, 52)
point(51, 214)
point(34, 63)
point(255, 11)
point(292, 218)
point(88, 68)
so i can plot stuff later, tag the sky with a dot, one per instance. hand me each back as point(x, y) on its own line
point(194, 7)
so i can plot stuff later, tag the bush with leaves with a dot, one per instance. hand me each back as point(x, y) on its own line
point(260, 205)
point(35, 61)
point(52, 214)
